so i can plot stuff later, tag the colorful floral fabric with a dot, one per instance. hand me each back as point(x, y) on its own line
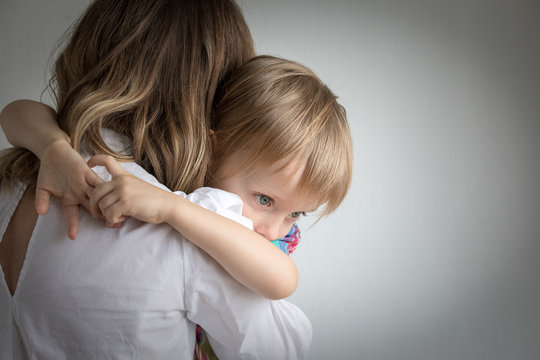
point(289, 243)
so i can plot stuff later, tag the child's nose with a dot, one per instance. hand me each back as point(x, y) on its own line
point(269, 231)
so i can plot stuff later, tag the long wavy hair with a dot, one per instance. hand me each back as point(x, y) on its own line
point(148, 70)
point(274, 110)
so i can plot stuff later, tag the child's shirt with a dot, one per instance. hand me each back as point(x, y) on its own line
point(203, 349)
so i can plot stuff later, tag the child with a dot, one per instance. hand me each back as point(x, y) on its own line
point(281, 143)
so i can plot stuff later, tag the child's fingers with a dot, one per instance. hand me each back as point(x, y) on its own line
point(72, 215)
point(107, 201)
point(86, 203)
point(92, 179)
point(89, 187)
point(41, 202)
point(112, 208)
point(113, 214)
point(97, 194)
point(97, 160)
point(113, 167)
point(118, 224)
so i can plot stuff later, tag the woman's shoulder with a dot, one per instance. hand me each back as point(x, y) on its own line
point(9, 199)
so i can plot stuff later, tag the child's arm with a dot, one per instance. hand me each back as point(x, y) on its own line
point(63, 172)
point(256, 263)
point(22, 115)
point(65, 175)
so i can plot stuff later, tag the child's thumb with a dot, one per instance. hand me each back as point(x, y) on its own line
point(113, 167)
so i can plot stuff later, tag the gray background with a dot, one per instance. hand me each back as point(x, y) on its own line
point(435, 252)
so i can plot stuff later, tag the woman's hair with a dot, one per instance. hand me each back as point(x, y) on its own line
point(277, 110)
point(148, 70)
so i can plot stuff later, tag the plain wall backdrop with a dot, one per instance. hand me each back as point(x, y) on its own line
point(435, 254)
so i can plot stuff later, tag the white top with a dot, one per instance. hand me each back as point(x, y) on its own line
point(136, 293)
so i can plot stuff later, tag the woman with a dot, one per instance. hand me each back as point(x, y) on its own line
point(120, 292)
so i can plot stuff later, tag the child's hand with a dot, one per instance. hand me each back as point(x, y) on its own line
point(64, 174)
point(126, 195)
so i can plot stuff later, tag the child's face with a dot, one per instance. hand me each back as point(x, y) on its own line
point(271, 198)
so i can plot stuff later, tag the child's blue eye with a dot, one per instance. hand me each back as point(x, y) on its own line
point(296, 214)
point(263, 200)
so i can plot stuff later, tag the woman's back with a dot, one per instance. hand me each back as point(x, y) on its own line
point(16, 237)
point(111, 293)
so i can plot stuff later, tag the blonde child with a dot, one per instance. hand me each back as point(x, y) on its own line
point(280, 142)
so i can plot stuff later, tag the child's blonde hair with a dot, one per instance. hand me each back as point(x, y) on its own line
point(278, 110)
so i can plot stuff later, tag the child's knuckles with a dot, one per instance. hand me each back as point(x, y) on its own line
point(124, 203)
point(103, 208)
point(124, 192)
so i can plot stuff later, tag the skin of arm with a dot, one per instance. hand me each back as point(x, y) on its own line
point(245, 255)
point(21, 115)
point(52, 146)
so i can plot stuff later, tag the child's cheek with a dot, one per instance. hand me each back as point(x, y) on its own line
point(247, 211)
point(255, 215)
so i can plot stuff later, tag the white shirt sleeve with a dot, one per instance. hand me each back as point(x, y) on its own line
point(239, 323)
point(221, 202)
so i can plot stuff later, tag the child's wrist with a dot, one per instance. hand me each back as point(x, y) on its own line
point(55, 146)
point(167, 209)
